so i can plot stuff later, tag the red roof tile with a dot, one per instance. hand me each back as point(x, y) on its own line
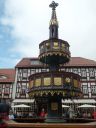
point(74, 61)
point(27, 62)
point(7, 75)
point(79, 61)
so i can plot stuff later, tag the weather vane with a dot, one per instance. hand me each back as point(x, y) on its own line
point(53, 5)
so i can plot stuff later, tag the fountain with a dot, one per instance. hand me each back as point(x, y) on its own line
point(49, 88)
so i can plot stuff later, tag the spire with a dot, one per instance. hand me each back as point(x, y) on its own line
point(53, 22)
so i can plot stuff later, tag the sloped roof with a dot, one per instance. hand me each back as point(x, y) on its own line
point(74, 61)
point(29, 62)
point(79, 61)
point(7, 75)
point(25, 62)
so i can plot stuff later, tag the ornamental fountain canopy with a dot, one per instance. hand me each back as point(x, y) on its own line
point(54, 51)
point(48, 88)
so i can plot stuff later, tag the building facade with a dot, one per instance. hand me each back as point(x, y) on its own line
point(14, 83)
point(84, 67)
point(7, 79)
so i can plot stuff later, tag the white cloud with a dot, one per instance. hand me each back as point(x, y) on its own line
point(30, 22)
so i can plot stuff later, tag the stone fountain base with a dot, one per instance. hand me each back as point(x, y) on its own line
point(13, 124)
point(55, 120)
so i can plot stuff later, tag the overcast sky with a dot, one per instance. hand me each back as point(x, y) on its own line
point(25, 23)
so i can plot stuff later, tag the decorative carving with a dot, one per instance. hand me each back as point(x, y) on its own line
point(53, 5)
point(38, 82)
point(75, 83)
point(47, 81)
point(57, 81)
point(67, 80)
point(54, 106)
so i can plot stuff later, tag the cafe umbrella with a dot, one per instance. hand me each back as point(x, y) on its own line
point(65, 106)
point(20, 106)
point(86, 106)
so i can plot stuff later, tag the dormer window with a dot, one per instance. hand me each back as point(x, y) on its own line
point(35, 62)
point(3, 77)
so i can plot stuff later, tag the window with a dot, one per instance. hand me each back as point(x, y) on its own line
point(23, 92)
point(85, 89)
point(18, 85)
point(83, 73)
point(35, 62)
point(6, 91)
point(33, 71)
point(24, 73)
point(43, 70)
point(7, 86)
point(36, 70)
point(3, 77)
point(67, 69)
point(92, 74)
point(93, 89)
point(75, 70)
point(24, 87)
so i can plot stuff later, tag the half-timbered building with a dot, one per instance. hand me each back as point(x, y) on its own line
point(84, 67)
point(7, 79)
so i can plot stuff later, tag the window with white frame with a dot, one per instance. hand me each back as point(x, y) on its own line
point(93, 89)
point(25, 73)
point(85, 89)
point(24, 86)
point(23, 91)
point(92, 74)
point(18, 85)
point(7, 86)
point(67, 69)
point(35, 62)
point(43, 70)
point(75, 70)
point(32, 71)
point(36, 70)
point(84, 74)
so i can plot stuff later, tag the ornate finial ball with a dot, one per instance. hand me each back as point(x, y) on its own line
point(53, 5)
